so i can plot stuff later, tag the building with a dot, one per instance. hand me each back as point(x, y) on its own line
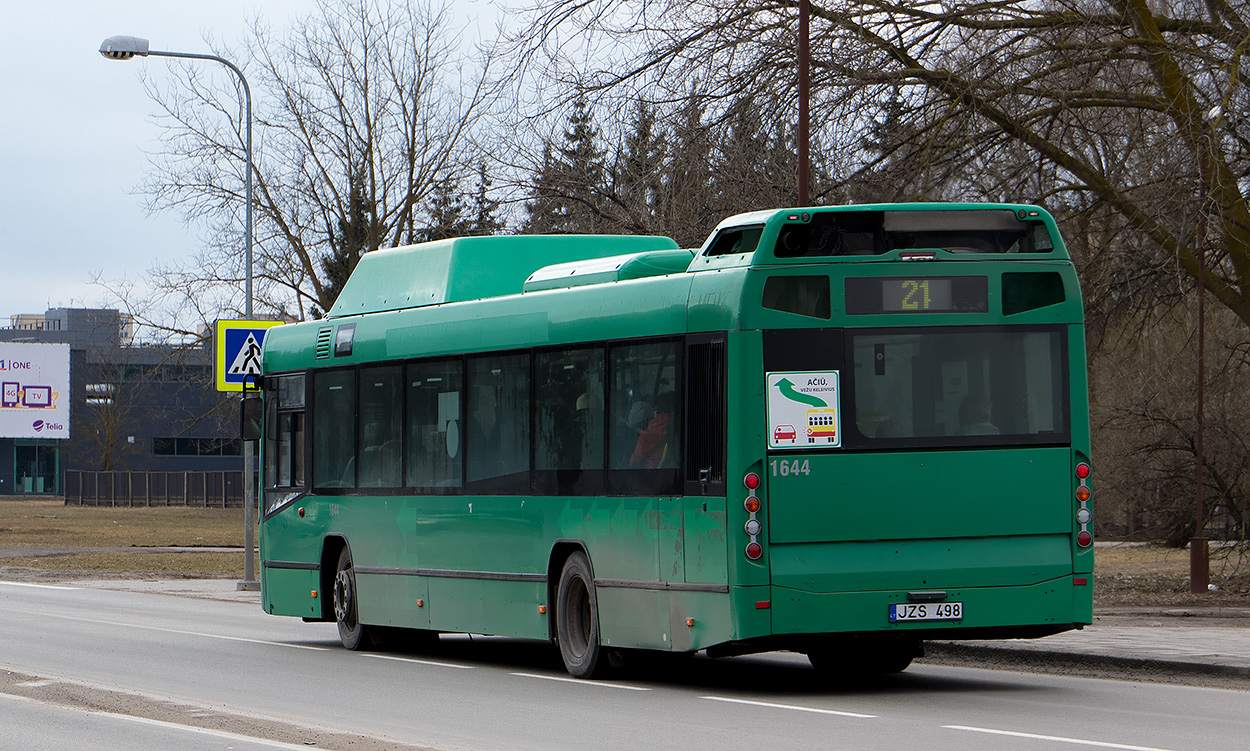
point(131, 406)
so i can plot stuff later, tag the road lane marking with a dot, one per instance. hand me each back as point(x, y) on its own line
point(1055, 738)
point(582, 682)
point(36, 586)
point(236, 737)
point(173, 630)
point(420, 662)
point(794, 707)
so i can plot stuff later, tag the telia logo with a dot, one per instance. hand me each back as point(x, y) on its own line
point(37, 425)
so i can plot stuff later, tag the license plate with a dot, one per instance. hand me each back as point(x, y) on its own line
point(906, 612)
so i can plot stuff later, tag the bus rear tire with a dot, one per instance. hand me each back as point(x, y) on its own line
point(849, 660)
point(354, 634)
point(577, 619)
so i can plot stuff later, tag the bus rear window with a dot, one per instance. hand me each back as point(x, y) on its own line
point(857, 233)
point(952, 387)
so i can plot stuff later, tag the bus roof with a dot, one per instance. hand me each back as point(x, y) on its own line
point(471, 268)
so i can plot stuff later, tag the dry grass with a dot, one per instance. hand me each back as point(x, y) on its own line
point(194, 565)
point(1131, 575)
point(44, 521)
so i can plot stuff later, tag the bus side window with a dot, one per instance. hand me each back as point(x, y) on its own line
point(435, 425)
point(380, 427)
point(568, 430)
point(644, 443)
point(498, 424)
point(334, 429)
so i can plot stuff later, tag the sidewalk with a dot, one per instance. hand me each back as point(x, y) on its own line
point(1213, 641)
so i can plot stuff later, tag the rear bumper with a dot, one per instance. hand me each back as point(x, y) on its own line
point(987, 612)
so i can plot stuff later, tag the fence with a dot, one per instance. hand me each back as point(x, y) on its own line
point(221, 489)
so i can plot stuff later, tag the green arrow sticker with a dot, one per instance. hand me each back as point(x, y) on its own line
point(787, 390)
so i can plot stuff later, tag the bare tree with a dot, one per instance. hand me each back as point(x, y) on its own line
point(361, 109)
point(1081, 103)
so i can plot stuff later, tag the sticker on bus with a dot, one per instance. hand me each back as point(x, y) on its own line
point(808, 401)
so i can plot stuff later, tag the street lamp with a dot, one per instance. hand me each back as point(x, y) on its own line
point(125, 48)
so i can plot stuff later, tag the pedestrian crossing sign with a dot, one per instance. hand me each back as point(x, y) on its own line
point(239, 346)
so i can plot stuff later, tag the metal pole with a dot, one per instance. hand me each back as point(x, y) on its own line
point(1199, 554)
point(805, 11)
point(124, 48)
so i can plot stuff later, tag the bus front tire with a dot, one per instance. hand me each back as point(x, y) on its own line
point(577, 619)
point(354, 634)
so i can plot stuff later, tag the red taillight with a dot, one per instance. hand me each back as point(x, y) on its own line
point(1082, 471)
point(754, 551)
point(1084, 539)
point(752, 481)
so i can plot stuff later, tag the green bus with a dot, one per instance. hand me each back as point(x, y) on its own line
point(839, 431)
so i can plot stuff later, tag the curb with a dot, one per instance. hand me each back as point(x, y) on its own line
point(1071, 663)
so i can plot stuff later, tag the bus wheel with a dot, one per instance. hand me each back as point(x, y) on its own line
point(852, 660)
point(577, 619)
point(352, 632)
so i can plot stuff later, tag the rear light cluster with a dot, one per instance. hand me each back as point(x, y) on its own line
point(753, 526)
point(1083, 514)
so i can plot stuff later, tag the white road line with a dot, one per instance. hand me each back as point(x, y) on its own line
point(1055, 738)
point(420, 662)
point(580, 682)
point(237, 738)
point(173, 631)
point(35, 586)
point(793, 707)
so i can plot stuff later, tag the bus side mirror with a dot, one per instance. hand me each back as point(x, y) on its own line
point(251, 415)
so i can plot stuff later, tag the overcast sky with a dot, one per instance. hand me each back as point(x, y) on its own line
point(75, 135)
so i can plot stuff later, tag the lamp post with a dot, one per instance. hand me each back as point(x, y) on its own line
point(126, 48)
point(1199, 551)
point(805, 13)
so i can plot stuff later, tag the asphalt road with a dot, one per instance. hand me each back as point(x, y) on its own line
point(82, 668)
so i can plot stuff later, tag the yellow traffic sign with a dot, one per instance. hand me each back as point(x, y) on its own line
point(239, 346)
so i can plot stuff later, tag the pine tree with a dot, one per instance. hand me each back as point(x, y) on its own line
point(637, 174)
point(446, 210)
point(686, 201)
point(351, 239)
point(568, 193)
point(483, 219)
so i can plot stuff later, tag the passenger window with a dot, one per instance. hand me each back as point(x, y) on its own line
point(380, 427)
point(568, 433)
point(435, 425)
point(644, 445)
point(334, 435)
point(498, 424)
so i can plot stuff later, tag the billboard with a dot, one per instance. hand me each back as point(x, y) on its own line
point(34, 390)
